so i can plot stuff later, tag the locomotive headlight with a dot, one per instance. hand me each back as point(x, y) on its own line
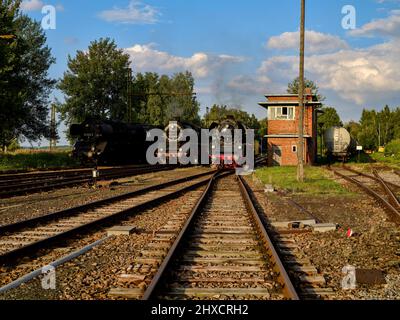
point(240, 147)
point(213, 146)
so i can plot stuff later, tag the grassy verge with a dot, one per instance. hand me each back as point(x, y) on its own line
point(387, 160)
point(36, 159)
point(318, 180)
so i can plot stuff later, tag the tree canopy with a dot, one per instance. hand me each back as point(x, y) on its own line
point(95, 84)
point(329, 118)
point(220, 112)
point(293, 87)
point(159, 99)
point(98, 83)
point(24, 63)
point(376, 128)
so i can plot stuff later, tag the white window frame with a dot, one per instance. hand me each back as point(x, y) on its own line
point(275, 113)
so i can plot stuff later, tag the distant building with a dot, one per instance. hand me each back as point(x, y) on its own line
point(283, 128)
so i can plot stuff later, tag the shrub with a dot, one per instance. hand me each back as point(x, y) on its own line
point(393, 149)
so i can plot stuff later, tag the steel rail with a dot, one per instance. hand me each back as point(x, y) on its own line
point(86, 174)
point(392, 185)
point(298, 206)
point(285, 281)
point(30, 276)
point(32, 247)
point(44, 185)
point(155, 282)
point(18, 174)
point(393, 212)
point(91, 205)
point(392, 196)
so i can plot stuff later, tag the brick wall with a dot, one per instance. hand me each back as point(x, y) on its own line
point(288, 157)
point(292, 126)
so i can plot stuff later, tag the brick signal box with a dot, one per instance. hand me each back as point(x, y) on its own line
point(283, 128)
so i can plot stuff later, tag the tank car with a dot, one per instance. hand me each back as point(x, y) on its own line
point(110, 142)
point(339, 143)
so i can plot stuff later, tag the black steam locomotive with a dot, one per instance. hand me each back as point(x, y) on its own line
point(109, 142)
point(226, 142)
point(173, 135)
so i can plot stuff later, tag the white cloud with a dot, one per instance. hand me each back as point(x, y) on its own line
point(202, 65)
point(60, 7)
point(315, 41)
point(356, 75)
point(32, 5)
point(136, 13)
point(389, 26)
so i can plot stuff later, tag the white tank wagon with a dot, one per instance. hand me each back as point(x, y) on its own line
point(339, 143)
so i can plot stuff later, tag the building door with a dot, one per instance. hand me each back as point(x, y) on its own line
point(276, 156)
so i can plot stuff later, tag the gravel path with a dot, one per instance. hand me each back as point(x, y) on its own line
point(375, 245)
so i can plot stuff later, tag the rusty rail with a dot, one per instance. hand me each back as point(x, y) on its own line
point(10, 256)
point(393, 211)
point(392, 185)
point(21, 184)
point(284, 279)
point(392, 196)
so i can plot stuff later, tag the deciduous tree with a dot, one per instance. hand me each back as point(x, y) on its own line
point(25, 83)
point(95, 84)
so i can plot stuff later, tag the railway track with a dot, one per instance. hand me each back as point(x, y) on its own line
point(25, 183)
point(222, 251)
point(381, 190)
point(27, 237)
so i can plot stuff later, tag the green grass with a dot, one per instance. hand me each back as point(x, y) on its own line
point(35, 159)
point(317, 181)
point(391, 161)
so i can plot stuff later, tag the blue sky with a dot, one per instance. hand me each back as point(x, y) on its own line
point(239, 50)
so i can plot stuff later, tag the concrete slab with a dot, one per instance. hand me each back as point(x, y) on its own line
point(288, 224)
point(324, 227)
point(268, 188)
point(120, 231)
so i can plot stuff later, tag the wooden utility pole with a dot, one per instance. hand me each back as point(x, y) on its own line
point(53, 128)
point(129, 95)
point(300, 149)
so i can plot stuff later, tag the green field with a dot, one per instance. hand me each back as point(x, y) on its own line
point(31, 159)
point(318, 180)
